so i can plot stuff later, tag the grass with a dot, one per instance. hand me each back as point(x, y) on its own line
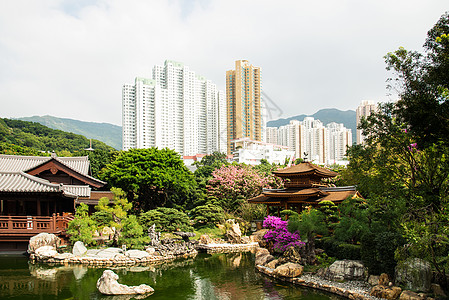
point(211, 232)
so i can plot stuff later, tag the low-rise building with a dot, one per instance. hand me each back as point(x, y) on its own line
point(252, 152)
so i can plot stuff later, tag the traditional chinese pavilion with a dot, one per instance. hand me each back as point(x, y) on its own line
point(39, 193)
point(303, 187)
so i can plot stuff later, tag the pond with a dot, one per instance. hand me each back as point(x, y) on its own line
point(216, 276)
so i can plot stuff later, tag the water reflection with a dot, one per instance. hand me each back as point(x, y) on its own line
point(216, 276)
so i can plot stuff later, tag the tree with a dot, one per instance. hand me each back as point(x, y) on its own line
point(81, 228)
point(118, 210)
point(152, 178)
point(166, 220)
point(403, 168)
point(231, 184)
point(422, 81)
point(207, 215)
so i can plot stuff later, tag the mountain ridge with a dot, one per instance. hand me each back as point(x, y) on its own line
point(109, 134)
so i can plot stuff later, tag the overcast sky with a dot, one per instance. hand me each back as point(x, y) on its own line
point(70, 58)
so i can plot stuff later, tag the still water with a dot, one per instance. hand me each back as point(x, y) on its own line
point(216, 276)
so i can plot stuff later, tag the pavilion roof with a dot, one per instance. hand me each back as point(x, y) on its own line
point(21, 182)
point(309, 196)
point(291, 193)
point(24, 163)
point(305, 168)
point(77, 164)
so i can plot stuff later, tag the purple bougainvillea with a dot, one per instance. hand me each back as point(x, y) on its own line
point(278, 234)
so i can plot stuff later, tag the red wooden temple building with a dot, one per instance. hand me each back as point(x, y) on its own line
point(303, 187)
point(39, 193)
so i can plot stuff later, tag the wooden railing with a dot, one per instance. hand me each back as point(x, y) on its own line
point(33, 224)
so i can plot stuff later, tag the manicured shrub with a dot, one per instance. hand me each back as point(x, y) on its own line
point(339, 250)
point(102, 218)
point(349, 251)
point(166, 220)
point(207, 215)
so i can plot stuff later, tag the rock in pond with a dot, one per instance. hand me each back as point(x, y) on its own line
point(45, 252)
point(43, 239)
point(107, 284)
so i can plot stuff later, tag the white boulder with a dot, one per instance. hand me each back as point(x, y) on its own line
point(45, 252)
point(43, 239)
point(137, 254)
point(107, 284)
point(79, 249)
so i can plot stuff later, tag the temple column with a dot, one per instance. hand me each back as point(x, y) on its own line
point(38, 208)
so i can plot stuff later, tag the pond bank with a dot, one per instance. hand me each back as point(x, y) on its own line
point(117, 257)
point(357, 290)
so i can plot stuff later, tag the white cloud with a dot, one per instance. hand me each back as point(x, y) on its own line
point(70, 58)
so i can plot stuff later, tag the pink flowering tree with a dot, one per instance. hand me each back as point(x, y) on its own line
point(232, 184)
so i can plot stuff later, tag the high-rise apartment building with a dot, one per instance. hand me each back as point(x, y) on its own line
point(244, 109)
point(363, 111)
point(176, 109)
point(311, 140)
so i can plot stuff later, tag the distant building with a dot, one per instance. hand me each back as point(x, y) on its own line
point(177, 109)
point(363, 111)
point(251, 152)
point(244, 103)
point(312, 141)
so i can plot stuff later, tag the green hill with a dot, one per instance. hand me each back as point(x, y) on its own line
point(105, 132)
point(43, 139)
point(327, 115)
point(19, 137)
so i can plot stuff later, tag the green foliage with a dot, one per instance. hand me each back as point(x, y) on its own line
point(309, 223)
point(207, 215)
point(41, 138)
point(102, 218)
point(422, 81)
point(152, 178)
point(166, 220)
point(340, 250)
point(132, 234)
point(214, 233)
point(378, 249)
point(354, 220)
point(287, 213)
point(403, 167)
point(98, 159)
point(330, 211)
point(251, 212)
point(81, 228)
point(118, 210)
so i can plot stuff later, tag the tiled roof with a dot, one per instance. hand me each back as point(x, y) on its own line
point(78, 190)
point(306, 168)
point(21, 182)
point(340, 196)
point(16, 163)
point(289, 193)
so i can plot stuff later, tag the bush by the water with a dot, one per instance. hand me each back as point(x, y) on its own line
point(166, 220)
point(207, 215)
